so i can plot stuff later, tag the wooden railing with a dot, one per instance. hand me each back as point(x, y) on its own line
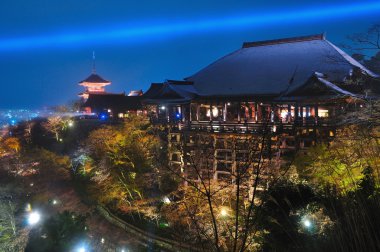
point(246, 127)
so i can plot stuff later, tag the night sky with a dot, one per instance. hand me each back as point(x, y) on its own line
point(46, 46)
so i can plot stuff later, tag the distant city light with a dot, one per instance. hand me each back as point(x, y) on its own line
point(163, 107)
point(33, 218)
point(102, 240)
point(178, 115)
point(55, 202)
point(71, 124)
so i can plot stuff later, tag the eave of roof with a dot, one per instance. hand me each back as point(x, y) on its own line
point(95, 78)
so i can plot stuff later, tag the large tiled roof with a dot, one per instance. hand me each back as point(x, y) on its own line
point(274, 67)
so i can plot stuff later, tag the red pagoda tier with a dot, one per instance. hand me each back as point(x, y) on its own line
point(93, 84)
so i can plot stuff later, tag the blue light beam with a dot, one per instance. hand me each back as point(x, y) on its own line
point(130, 34)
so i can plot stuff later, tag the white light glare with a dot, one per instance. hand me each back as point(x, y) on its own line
point(223, 212)
point(307, 223)
point(81, 249)
point(166, 200)
point(34, 218)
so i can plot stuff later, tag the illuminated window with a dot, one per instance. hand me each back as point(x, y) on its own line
point(323, 112)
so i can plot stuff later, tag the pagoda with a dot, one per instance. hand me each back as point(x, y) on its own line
point(93, 84)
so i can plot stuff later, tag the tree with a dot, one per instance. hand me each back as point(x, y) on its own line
point(356, 146)
point(8, 231)
point(367, 44)
point(369, 40)
point(56, 125)
point(123, 156)
point(224, 213)
point(11, 144)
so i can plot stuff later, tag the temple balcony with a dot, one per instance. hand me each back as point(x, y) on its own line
point(248, 127)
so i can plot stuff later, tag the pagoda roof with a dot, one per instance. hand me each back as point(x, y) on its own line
point(273, 67)
point(94, 78)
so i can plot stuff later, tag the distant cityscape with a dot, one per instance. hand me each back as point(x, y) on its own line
point(10, 117)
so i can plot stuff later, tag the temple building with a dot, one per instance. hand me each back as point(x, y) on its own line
point(93, 84)
point(110, 105)
point(296, 88)
point(114, 106)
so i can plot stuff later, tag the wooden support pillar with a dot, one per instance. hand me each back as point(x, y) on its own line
point(316, 114)
point(271, 113)
point(239, 108)
point(301, 114)
point(289, 114)
point(197, 115)
point(167, 113)
point(296, 113)
point(225, 112)
point(210, 111)
point(256, 112)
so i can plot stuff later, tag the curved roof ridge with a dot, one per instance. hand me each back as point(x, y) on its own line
point(284, 40)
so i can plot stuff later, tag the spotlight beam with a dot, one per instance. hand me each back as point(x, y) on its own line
point(133, 34)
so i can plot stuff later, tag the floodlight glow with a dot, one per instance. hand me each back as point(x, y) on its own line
point(223, 212)
point(307, 223)
point(156, 29)
point(166, 200)
point(28, 207)
point(34, 218)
